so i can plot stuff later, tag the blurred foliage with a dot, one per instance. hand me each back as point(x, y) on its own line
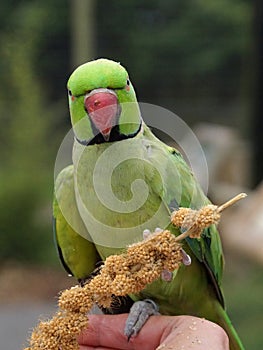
point(26, 146)
point(193, 48)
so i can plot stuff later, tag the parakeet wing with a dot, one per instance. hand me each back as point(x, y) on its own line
point(207, 249)
point(78, 254)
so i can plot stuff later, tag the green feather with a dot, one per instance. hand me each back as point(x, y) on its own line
point(78, 254)
point(101, 73)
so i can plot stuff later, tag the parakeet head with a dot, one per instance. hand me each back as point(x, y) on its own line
point(102, 102)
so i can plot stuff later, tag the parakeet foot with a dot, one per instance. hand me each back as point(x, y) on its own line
point(139, 314)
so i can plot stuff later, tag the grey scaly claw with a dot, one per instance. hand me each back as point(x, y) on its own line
point(139, 314)
point(166, 276)
point(146, 234)
point(186, 258)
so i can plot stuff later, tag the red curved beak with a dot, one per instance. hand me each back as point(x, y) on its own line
point(102, 107)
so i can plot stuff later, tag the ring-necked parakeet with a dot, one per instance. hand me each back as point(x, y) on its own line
point(124, 180)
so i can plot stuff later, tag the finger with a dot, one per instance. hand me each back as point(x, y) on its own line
point(83, 347)
point(107, 331)
point(104, 332)
point(193, 333)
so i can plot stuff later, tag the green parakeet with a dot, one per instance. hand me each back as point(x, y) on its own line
point(124, 180)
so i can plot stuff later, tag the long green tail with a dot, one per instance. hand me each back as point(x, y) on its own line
point(234, 340)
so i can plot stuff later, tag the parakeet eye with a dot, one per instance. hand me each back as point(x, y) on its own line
point(127, 87)
point(71, 96)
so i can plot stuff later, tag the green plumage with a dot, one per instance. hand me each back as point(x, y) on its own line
point(116, 189)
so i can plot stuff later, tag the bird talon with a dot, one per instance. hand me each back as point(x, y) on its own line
point(139, 314)
point(186, 258)
point(146, 234)
point(166, 276)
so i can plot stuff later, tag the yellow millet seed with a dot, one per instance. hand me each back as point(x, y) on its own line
point(128, 273)
point(105, 301)
point(178, 216)
point(196, 220)
point(100, 284)
point(76, 299)
point(59, 333)
point(207, 216)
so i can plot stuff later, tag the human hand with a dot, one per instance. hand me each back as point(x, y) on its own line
point(105, 332)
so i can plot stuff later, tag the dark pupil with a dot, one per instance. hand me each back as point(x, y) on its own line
point(70, 93)
point(128, 82)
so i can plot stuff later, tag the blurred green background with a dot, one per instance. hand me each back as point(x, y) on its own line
point(200, 59)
